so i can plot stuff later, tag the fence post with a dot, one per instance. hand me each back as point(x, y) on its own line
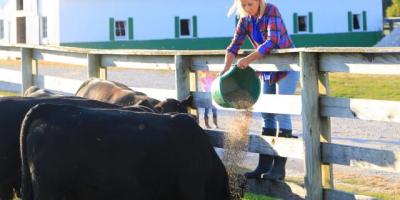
point(26, 69)
point(326, 168)
point(311, 125)
point(94, 67)
point(182, 78)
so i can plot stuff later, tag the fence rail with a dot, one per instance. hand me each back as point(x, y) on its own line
point(314, 104)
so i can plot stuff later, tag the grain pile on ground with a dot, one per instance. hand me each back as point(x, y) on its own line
point(236, 142)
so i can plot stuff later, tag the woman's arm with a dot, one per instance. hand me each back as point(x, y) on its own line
point(229, 57)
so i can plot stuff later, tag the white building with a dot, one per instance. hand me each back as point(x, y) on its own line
point(177, 24)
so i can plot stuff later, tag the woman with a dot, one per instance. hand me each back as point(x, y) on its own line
point(262, 23)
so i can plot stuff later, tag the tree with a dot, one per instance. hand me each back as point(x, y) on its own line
point(394, 9)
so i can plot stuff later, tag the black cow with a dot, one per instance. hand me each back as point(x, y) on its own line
point(75, 153)
point(120, 94)
point(35, 91)
point(12, 112)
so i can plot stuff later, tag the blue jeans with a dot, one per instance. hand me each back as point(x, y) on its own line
point(287, 86)
point(207, 109)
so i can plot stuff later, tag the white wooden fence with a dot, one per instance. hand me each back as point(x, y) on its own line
point(314, 104)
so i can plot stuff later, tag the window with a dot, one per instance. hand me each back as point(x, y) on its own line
point(184, 27)
point(44, 27)
point(356, 22)
point(1, 29)
point(20, 4)
point(120, 29)
point(302, 23)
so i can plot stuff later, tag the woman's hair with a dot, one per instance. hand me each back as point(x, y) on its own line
point(238, 9)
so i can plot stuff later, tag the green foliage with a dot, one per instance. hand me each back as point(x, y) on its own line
point(394, 9)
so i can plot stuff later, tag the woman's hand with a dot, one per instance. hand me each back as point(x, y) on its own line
point(223, 71)
point(243, 63)
point(228, 62)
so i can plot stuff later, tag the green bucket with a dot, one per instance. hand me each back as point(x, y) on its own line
point(236, 88)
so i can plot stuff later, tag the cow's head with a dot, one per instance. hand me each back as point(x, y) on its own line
point(174, 106)
point(148, 102)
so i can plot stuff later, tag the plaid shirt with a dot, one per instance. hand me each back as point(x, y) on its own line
point(273, 32)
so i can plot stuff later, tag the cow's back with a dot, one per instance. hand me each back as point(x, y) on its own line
point(35, 91)
point(13, 110)
point(109, 91)
point(142, 155)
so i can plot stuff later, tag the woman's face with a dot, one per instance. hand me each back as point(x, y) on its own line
point(251, 7)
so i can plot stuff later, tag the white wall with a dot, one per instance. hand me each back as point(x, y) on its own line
point(31, 19)
point(88, 20)
point(7, 14)
point(51, 9)
point(153, 19)
point(331, 16)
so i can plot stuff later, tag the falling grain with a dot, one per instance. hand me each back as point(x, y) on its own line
point(236, 142)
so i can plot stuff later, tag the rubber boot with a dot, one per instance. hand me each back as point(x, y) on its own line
point(264, 165)
point(206, 122)
point(278, 171)
point(264, 161)
point(215, 121)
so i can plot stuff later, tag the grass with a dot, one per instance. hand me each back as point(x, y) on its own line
point(251, 196)
point(382, 87)
point(4, 93)
point(374, 186)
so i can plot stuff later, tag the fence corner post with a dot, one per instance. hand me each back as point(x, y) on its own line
point(311, 124)
point(94, 67)
point(26, 68)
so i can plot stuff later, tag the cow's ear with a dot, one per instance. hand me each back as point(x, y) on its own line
point(188, 102)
